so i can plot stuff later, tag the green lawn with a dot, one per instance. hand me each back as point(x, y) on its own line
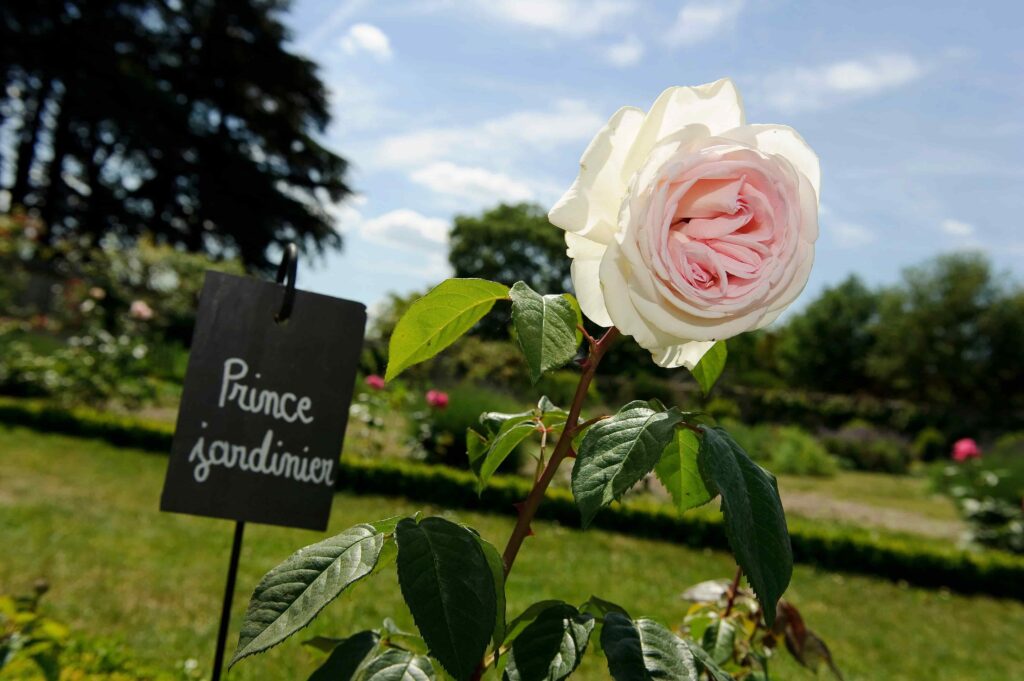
point(83, 515)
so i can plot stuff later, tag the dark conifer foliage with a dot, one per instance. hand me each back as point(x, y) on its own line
point(186, 119)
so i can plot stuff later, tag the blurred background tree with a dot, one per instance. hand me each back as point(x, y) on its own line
point(186, 120)
point(510, 243)
point(825, 347)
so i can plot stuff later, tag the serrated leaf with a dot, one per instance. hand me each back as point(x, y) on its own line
point(754, 520)
point(617, 453)
point(551, 647)
point(346, 656)
point(599, 607)
point(643, 650)
point(508, 437)
point(396, 665)
point(710, 366)
point(719, 641)
point(438, 319)
point(324, 644)
point(521, 621)
point(704, 660)
point(294, 592)
point(678, 472)
point(494, 420)
point(497, 567)
point(546, 328)
point(448, 585)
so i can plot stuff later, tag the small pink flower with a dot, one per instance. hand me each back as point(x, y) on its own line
point(966, 448)
point(437, 399)
point(374, 381)
point(140, 310)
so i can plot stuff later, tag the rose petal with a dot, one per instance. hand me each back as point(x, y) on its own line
point(685, 355)
point(783, 141)
point(591, 205)
point(586, 264)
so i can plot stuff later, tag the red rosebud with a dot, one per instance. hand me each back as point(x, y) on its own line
point(374, 381)
point(966, 448)
point(437, 399)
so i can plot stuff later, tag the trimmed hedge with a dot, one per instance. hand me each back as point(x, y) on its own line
point(917, 561)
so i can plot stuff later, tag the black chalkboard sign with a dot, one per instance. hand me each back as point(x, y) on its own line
point(265, 404)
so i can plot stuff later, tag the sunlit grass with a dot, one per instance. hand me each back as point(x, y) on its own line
point(83, 515)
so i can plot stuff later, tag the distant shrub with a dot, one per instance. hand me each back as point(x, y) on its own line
point(797, 452)
point(722, 408)
point(989, 492)
point(868, 448)
point(930, 445)
point(783, 449)
point(444, 434)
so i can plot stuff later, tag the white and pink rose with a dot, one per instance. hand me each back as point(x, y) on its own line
point(686, 225)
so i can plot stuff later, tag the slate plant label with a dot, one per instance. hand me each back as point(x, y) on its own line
point(264, 406)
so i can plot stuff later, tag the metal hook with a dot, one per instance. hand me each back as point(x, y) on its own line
point(286, 271)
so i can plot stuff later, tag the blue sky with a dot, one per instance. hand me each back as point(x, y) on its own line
point(449, 106)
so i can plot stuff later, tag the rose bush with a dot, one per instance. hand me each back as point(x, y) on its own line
point(686, 225)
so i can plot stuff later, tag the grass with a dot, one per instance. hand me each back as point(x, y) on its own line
point(906, 493)
point(83, 515)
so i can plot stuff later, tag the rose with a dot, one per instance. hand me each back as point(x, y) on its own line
point(374, 381)
point(966, 448)
point(140, 310)
point(437, 399)
point(686, 226)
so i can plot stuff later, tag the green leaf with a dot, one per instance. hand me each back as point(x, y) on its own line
point(508, 437)
point(551, 647)
point(720, 641)
point(396, 665)
point(448, 585)
point(497, 567)
point(546, 328)
point(438, 319)
point(521, 621)
point(324, 644)
point(704, 660)
point(617, 453)
point(599, 607)
point(710, 366)
point(677, 469)
point(643, 650)
point(345, 658)
point(293, 593)
point(754, 519)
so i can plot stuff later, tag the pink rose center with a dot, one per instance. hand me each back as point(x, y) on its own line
point(719, 228)
point(720, 232)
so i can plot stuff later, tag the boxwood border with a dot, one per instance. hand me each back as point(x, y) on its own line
point(857, 550)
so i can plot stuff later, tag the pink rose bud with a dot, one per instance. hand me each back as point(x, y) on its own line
point(140, 310)
point(437, 399)
point(966, 448)
point(374, 381)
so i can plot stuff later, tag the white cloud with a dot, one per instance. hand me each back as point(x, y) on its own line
point(820, 86)
point(570, 17)
point(626, 53)
point(471, 183)
point(367, 38)
point(406, 229)
point(512, 135)
point(957, 228)
point(703, 20)
point(851, 235)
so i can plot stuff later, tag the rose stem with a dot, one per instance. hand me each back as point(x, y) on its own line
point(733, 590)
point(529, 507)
